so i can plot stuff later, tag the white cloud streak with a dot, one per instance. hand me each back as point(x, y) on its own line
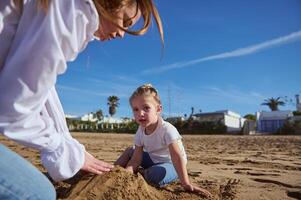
point(82, 91)
point(233, 94)
point(293, 37)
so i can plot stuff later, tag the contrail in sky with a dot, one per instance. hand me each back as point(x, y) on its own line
point(295, 36)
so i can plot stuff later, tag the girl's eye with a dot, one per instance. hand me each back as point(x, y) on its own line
point(146, 108)
point(135, 109)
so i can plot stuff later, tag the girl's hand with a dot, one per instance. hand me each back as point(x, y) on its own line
point(192, 188)
point(95, 166)
point(130, 169)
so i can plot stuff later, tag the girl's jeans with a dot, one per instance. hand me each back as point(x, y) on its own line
point(20, 180)
point(158, 174)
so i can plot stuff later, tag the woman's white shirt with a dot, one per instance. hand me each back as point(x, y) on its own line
point(34, 49)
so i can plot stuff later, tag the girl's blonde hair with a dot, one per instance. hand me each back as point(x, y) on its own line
point(146, 90)
point(107, 8)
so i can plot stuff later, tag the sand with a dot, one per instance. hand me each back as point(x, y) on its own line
point(230, 167)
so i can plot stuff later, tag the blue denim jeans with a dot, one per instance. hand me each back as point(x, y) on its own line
point(158, 174)
point(20, 180)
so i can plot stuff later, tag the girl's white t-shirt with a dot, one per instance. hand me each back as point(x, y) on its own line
point(156, 144)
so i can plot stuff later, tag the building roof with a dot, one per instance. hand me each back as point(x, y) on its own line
point(218, 113)
point(274, 115)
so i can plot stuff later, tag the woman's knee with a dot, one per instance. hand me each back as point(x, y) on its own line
point(46, 190)
point(38, 187)
point(19, 179)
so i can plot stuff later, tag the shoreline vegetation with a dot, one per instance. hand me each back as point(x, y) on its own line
point(288, 123)
point(230, 167)
point(185, 127)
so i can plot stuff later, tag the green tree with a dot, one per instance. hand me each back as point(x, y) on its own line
point(99, 115)
point(250, 117)
point(113, 104)
point(297, 113)
point(273, 103)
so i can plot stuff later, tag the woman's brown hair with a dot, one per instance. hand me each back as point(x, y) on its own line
point(107, 8)
point(41, 4)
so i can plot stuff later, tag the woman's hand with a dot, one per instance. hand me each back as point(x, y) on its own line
point(193, 188)
point(95, 166)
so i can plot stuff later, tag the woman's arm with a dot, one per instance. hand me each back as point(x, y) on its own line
point(181, 169)
point(42, 44)
point(136, 159)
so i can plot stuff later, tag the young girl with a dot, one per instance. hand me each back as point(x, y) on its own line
point(158, 145)
point(37, 39)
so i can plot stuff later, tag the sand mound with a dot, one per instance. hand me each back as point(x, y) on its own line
point(120, 185)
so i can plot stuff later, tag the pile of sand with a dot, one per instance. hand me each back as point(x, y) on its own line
point(119, 184)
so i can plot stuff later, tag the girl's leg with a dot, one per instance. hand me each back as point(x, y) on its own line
point(125, 157)
point(19, 179)
point(128, 153)
point(160, 174)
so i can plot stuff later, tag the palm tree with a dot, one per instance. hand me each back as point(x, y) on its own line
point(113, 104)
point(273, 103)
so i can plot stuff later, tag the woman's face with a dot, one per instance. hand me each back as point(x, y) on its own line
point(126, 17)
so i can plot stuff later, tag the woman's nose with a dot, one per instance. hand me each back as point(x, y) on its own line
point(120, 33)
point(113, 35)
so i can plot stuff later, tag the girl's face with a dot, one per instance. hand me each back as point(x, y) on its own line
point(146, 111)
point(126, 17)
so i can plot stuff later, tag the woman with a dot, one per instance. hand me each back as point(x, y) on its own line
point(38, 38)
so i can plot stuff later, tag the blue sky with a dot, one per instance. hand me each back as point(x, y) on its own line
point(218, 55)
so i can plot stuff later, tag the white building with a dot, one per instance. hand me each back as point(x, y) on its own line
point(91, 117)
point(233, 121)
point(111, 120)
point(106, 122)
point(271, 121)
point(72, 117)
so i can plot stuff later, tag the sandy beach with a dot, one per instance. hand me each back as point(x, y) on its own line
point(230, 167)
